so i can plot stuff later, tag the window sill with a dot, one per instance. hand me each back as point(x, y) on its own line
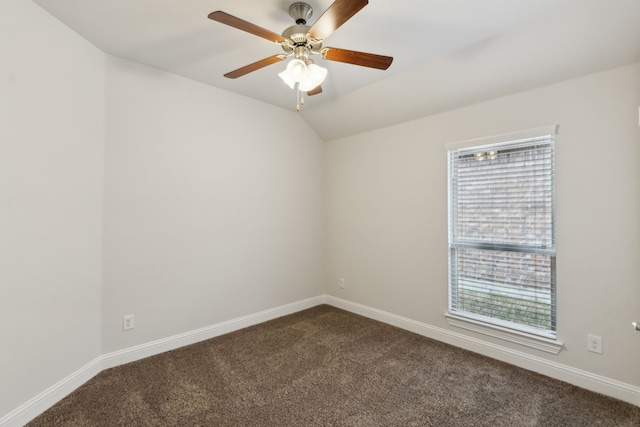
point(539, 343)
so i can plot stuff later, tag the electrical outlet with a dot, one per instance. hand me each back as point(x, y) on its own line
point(128, 322)
point(341, 283)
point(594, 343)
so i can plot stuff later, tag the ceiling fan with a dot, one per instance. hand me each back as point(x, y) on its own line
point(302, 42)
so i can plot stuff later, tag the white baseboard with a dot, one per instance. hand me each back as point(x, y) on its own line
point(40, 403)
point(141, 351)
point(43, 401)
point(584, 379)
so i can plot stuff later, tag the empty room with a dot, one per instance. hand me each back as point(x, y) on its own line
point(329, 212)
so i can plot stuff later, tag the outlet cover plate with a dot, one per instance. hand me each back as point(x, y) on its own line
point(128, 322)
point(594, 343)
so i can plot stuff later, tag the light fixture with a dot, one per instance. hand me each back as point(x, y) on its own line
point(305, 73)
point(295, 72)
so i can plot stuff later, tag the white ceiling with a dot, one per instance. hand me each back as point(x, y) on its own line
point(447, 53)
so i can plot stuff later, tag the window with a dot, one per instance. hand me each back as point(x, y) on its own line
point(502, 257)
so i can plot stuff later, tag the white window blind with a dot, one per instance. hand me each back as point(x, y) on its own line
point(501, 233)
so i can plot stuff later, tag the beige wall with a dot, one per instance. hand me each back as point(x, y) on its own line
point(51, 177)
point(214, 206)
point(387, 221)
point(211, 205)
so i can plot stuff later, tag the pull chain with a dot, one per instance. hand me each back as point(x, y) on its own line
point(299, 97)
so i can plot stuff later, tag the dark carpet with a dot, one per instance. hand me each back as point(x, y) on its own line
point(328, 367)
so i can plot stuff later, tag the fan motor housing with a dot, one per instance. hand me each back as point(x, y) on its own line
point(298, 39)
point(297, 34)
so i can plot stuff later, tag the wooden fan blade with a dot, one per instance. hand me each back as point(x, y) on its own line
point(336, 15)
point(316, 90)
point(240, 24)
point(357, 58)
point(255, 66)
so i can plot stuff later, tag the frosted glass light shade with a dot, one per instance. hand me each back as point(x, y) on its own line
point(315, 77)
point(296, 72)
point(287, 78)
point(297, 69)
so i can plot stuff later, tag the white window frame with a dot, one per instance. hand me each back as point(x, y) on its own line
point(549, 342)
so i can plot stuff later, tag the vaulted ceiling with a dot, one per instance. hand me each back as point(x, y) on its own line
point(447, 53)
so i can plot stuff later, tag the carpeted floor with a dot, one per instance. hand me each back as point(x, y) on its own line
point(328, 367)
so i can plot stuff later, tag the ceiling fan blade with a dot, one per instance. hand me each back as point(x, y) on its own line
point(240, 24)
point(336, 15)
point(316, 90)
point(255, 66)
point(357, 58)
